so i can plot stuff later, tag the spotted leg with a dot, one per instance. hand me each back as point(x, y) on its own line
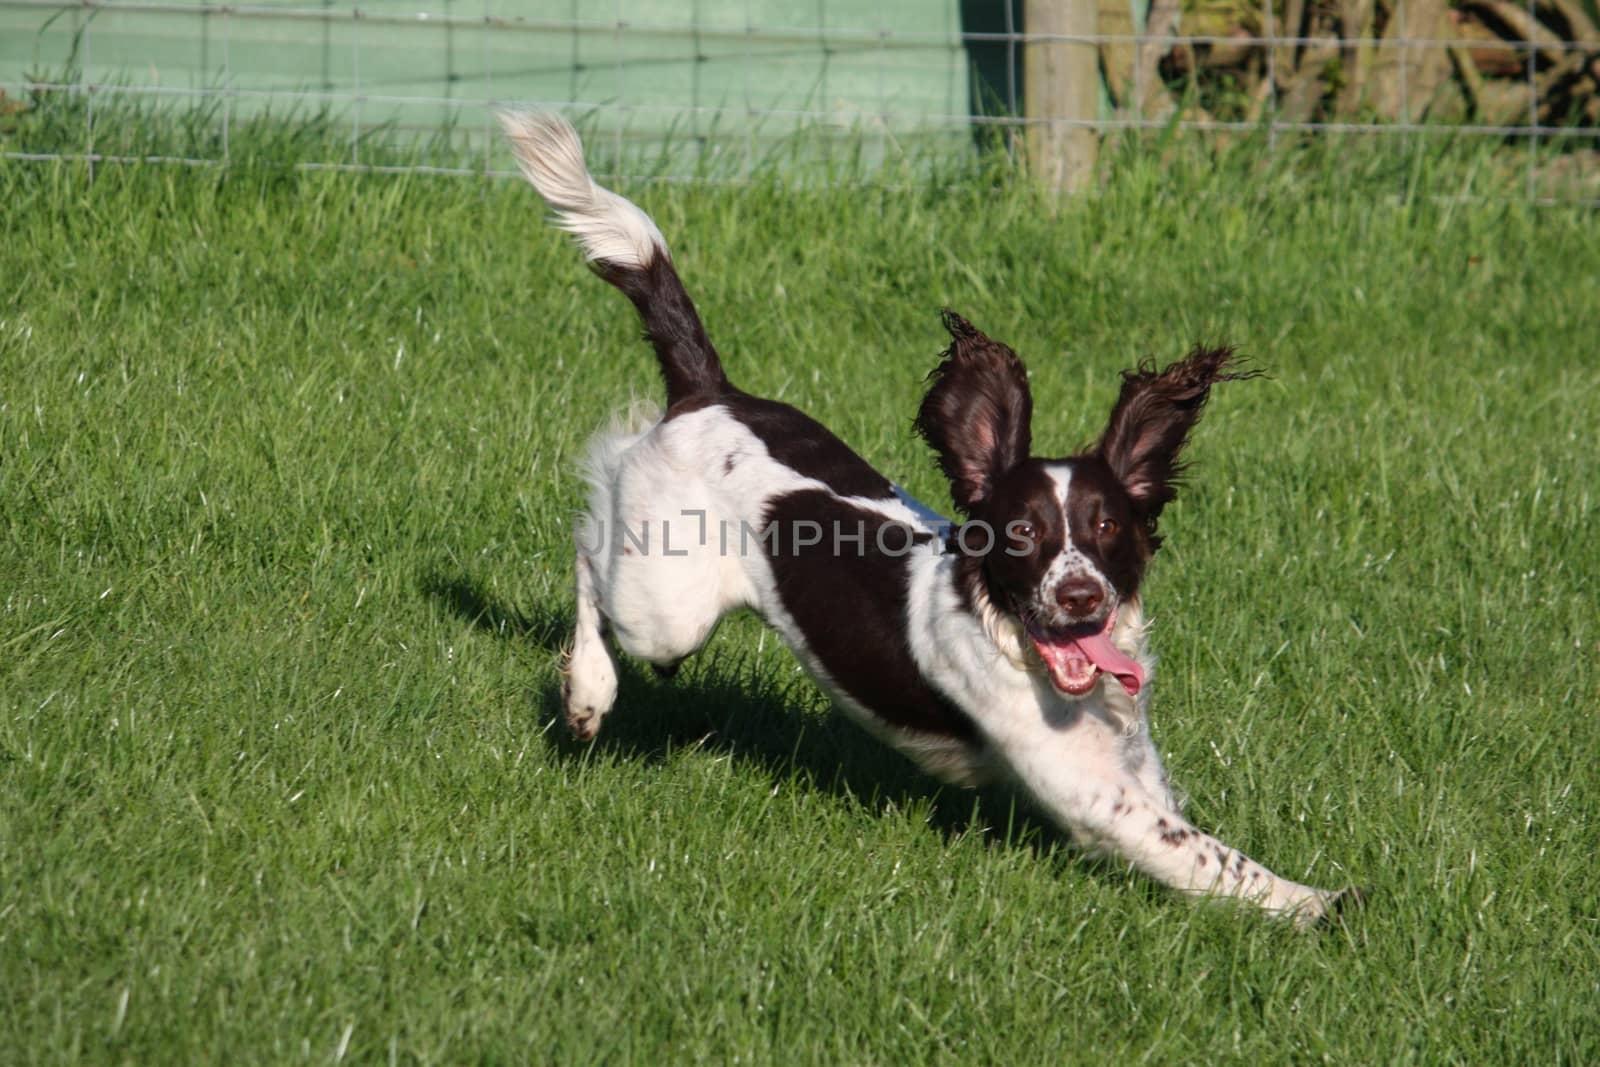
point(1079, 777)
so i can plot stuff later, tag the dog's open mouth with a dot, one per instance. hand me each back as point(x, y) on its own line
point(1076, 657)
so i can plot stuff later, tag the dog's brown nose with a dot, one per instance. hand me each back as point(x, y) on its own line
point(1080, 596)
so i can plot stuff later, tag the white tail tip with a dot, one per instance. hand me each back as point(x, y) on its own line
point(610, 228)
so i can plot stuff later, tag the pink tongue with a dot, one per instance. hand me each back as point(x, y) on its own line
point(1069, 659)
point(1110, 659)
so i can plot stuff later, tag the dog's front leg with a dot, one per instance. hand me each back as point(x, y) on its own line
point(1139, 756)
point(1082, 782)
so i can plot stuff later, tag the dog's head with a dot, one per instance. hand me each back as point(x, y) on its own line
point(1061, 543)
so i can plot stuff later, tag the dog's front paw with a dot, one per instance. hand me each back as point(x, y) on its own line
point(1329, 907)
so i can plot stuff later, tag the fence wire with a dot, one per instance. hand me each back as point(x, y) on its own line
point(712, 89)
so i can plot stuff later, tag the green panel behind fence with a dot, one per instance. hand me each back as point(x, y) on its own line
point(892, 74)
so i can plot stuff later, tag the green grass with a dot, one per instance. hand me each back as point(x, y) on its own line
point(285, 491)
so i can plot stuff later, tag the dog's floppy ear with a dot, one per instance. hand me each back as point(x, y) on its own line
point(977, 413)
point(1151, 420)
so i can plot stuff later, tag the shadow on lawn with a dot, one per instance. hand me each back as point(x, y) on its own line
point(718, 703)
point(471, 602)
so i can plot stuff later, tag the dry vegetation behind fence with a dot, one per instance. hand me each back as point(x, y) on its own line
point(1485, 62)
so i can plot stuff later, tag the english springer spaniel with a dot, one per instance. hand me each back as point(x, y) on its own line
point(1012, 644)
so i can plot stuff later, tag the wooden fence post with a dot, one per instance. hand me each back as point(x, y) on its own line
point(1062, 82)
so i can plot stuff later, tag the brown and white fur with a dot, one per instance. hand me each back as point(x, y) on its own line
point(1011, 645)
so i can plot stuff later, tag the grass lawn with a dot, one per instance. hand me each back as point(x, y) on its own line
point(285, 492)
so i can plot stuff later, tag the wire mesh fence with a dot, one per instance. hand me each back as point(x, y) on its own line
point(718, 88)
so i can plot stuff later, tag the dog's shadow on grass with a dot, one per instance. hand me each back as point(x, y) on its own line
point(470, 601)
point(720, 704)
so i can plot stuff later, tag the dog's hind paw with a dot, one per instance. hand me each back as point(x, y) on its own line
point(588, 690)
point(583, 723)
point(583, 717)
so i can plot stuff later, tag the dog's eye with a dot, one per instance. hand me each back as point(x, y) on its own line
point(1107, 528)
point(1025, 530)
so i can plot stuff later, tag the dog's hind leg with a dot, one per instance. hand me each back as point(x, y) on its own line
point(590, 687)
point(667, 578)
point(666, 618)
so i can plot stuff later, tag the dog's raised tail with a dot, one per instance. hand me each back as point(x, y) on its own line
point(623, 245)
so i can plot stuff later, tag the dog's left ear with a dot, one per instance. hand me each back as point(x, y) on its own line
point(1151, 420)
point(978, 413)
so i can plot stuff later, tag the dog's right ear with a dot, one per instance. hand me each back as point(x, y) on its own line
point(1150, 424)
point(978, 412)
